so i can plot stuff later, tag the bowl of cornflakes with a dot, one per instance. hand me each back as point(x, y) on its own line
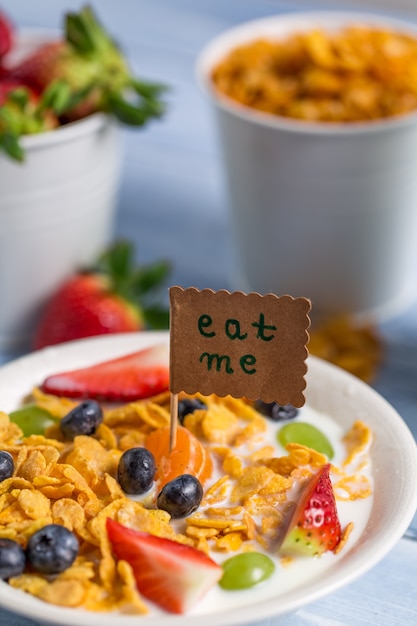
point(252, 491)
point(316, 115)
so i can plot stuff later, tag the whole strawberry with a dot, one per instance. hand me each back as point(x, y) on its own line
point(114, 297)
point(86, 72)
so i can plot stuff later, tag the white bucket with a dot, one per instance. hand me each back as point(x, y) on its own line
point(326, 211)
point(57, 209)
point(57, 212)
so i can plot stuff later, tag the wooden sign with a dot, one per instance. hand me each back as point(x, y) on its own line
point(245, 345)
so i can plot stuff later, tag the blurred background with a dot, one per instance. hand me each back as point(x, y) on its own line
point(171, 171)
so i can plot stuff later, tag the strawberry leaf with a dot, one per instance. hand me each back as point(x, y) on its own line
point(137, 285)
point(86, 34)
point(133, 113)
point(156, 317)
point(117, 261)
point(9, 143)
point(20, 96)
point(10, 120)
point(130, 100)
point(57, 97)
point(148, 278)
point(147, 89)
point(78, 34)
point(77, 97)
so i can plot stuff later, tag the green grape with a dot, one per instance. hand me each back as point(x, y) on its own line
point(246, 570)
point(306, 435)
point(32, 419)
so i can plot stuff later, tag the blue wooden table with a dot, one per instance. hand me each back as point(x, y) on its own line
point(172, 204)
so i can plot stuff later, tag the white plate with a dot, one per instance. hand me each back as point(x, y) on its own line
point(329, 389)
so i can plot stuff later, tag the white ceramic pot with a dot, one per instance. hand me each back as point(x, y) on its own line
point(57, 211)
point(325, 211)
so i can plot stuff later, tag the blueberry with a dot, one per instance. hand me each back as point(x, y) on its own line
point(52, 549)
point(12, 559)
point(181, 496)
point(82, 420)
point(6, 465)
point(275, 411)
point(136, 470)
point(189, 405)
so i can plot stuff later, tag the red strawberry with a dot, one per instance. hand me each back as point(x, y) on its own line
point(82, 307)
point(54, 62)
point(314, 527)
point(172, 575)
point(110, 299)
point(132, 377)
point(6, 35)
point(33, 70)
point(92, 73)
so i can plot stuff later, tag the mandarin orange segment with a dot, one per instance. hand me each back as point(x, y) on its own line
point(189, 456)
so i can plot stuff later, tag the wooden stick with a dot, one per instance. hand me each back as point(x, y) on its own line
point(173, 421)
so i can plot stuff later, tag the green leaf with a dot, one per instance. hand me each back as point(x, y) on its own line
point(148, 89)
point(85, 33)
point(117, 261)
point(9, 143)
point(126, 112)
point(121, 259)
point(102, 39)
point(133, 113)
point(77, 97)
point(148, 278)
point(130, 100)
point(20, 96)
point(78, 35)
point(57, 97)
point(10, 120)
point(138, 285)
point(156, 318)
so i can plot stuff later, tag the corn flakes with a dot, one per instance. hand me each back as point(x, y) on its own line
point(75, 484)
point(353, 346)
point(358, 73)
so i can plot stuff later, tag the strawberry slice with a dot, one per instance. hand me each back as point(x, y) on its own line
point(314, 527)
point(172, 575)
point(132, 377)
